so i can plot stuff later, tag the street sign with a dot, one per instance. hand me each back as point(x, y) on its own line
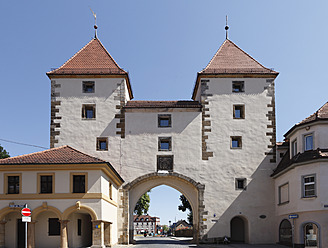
point(293, 216)
point(26, 211)
point(26, 218)
point(16, 206)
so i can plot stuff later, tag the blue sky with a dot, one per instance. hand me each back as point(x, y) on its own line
point(163, 44)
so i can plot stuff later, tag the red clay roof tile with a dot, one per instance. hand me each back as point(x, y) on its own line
point(59, 155)
point(163, 104)
point(231, 59)
point(93, 58)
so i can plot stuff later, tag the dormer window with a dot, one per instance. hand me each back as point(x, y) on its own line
point(294, 148)
point(308, 142)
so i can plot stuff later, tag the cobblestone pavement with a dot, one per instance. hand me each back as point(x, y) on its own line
point(171, 242)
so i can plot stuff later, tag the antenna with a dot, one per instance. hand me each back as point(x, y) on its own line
point(226, 27)
point(95, 26)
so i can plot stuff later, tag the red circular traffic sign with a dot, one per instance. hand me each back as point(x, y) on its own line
point(26, 211)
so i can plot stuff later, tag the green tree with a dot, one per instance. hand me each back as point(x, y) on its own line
point(3, 153)
point(143, 204)
point(184, 206)
point(165, 228)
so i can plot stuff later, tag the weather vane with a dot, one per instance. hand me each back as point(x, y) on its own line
point(95, 26)
point(226, 27)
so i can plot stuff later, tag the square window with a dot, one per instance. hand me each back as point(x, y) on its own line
point(88, 111)
point(78, 183)
point(88, 86)
point(240, 183)
point(46, 183)
point(284, 193)
point(13, 184)
point(54, 227)
point(308, 142)
point(238, 111)
point(102, 144)
point(164, 143)
point(165, 163)
point(237, 86)
point(236, 142)
point(309, 187)
point(164, 120)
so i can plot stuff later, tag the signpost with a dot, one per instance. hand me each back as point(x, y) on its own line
point(293, 217)
point(26, 212)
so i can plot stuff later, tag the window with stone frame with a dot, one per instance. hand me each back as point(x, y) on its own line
point(102, 144)
point(235, 142)
point(13, 184)
point(165, 163)
point(283, 193)
point(79, 184)
point(239, 111)
point(164, 120)
point(309, 186)
point(88, 87)
point(240, 183)
point(238, 86)
point(164, 144)
point(88, 111)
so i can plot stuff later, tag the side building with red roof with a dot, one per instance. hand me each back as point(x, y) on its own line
point(72, 196)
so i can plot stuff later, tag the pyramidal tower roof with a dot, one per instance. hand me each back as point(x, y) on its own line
point(93, 59)
point(233, 60)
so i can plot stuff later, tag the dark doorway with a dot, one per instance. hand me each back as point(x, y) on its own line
point(285, 233)
point(20, 233)
point(237, 228)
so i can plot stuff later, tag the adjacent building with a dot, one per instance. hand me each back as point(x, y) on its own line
point(146, 224)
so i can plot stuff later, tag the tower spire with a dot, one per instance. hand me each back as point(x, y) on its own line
point(95, 26)
point(226, 27)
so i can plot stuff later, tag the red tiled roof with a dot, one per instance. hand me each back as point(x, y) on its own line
point(320, 114)
point(59, 155)
point(230, 59)
point(163, 104)
point(93, 58)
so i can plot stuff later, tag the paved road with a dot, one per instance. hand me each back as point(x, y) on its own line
point(169, 242)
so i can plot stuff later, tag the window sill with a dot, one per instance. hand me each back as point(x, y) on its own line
point(309, 197)
point(88, 119)
point(283, 203)
point(235, 148)
point(102, 150)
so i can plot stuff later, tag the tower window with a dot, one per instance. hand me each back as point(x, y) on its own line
point(164, 143)
point(238, 111)
point(164, 120)
point(102, 144)
point(240, 183)
point(237, 86)
point(88, 86)
point(235, 142)
point(88, 111)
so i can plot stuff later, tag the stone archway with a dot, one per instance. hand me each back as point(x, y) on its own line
point(132, 191)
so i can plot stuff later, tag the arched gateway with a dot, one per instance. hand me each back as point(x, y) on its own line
point(191, 189)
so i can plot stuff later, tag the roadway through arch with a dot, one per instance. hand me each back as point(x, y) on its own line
point(192, 190)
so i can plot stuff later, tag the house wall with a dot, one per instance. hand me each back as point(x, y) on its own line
point(320, 136)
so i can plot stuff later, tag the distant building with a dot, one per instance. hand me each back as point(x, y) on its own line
point(146, 224)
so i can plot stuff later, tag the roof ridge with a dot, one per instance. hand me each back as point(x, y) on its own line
point(85, 154)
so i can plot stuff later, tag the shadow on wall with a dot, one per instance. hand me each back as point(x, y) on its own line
point(251, 212)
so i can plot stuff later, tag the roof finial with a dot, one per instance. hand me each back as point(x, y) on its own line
point(226, 27)
point(95, 26)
